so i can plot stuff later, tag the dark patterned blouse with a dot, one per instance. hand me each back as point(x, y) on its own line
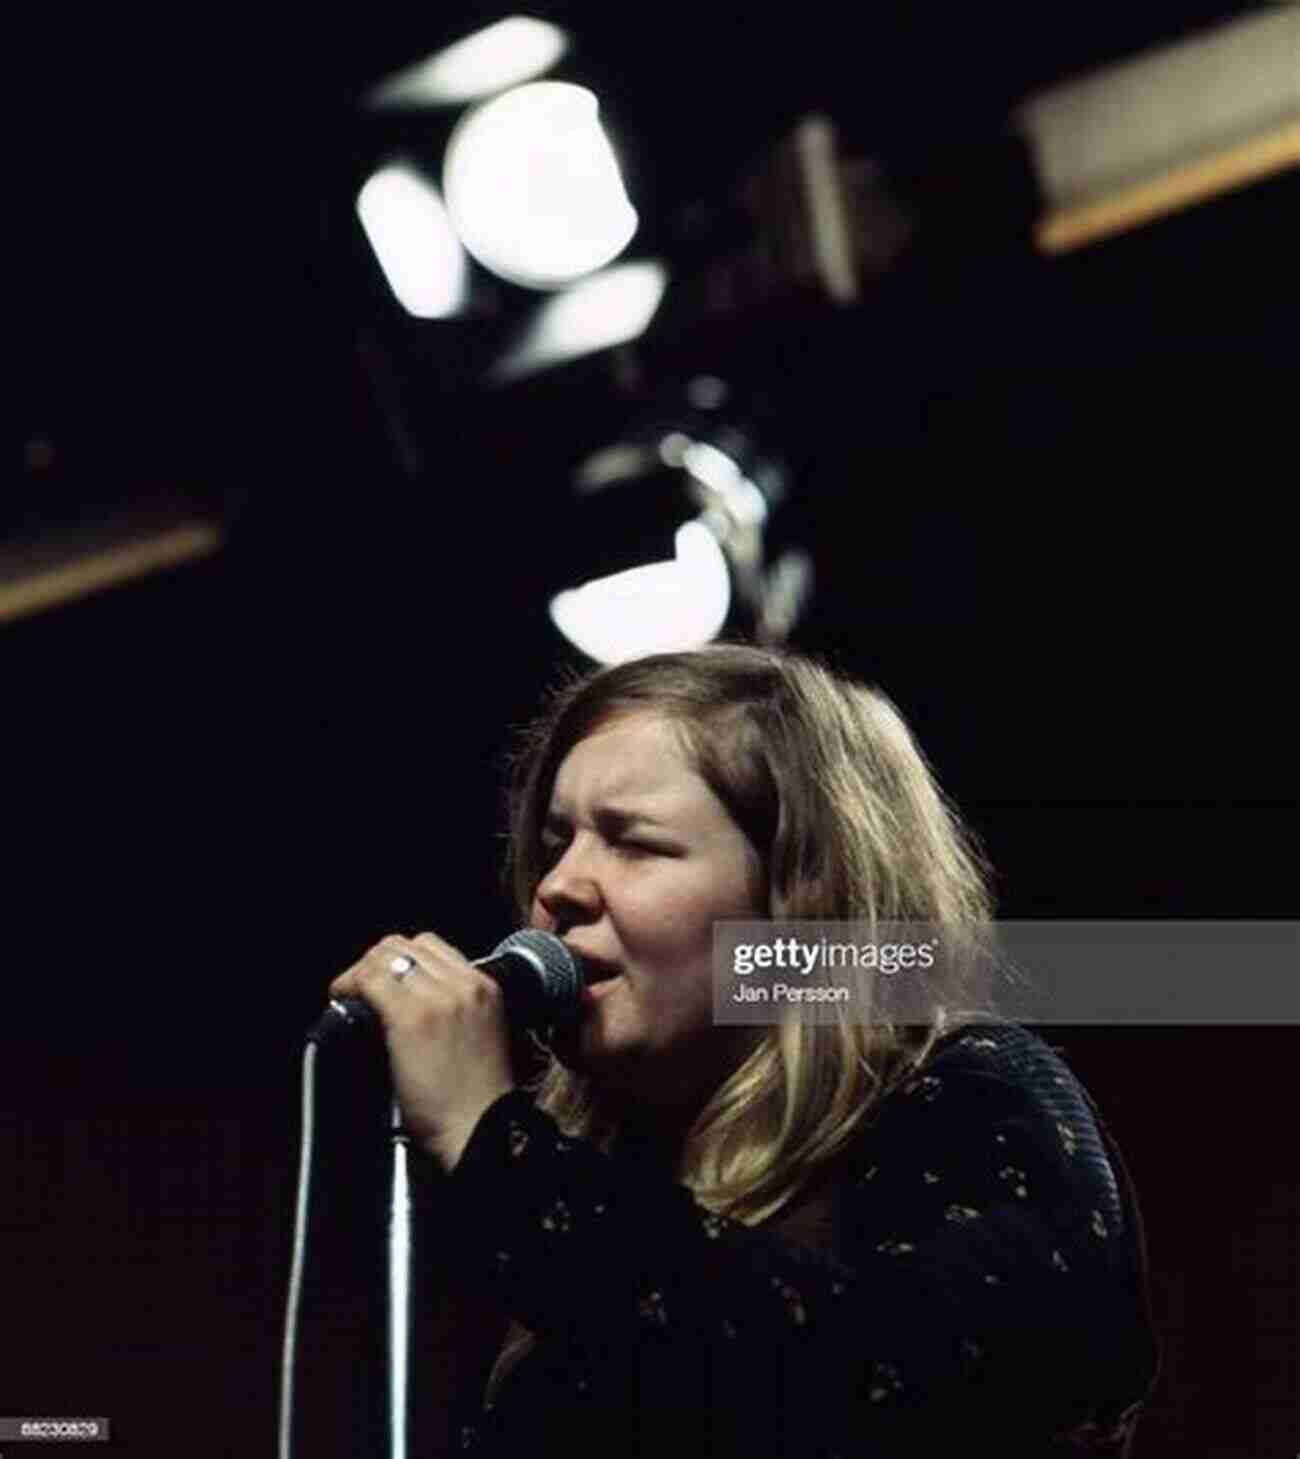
point(973, 1271)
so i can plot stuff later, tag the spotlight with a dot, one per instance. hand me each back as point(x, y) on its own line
point(407, 226)
point(610, 308)
point(673, 536)
point(534, 188)
point(508, 53)
point(675, 604)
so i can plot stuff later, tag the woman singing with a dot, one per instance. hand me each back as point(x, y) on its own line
point(841, 1236)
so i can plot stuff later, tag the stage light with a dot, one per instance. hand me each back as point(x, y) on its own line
point(652, 609)
point(534, 189)
point(412, 237)
point(506, 54)
point(673, 524)
point(608, 309)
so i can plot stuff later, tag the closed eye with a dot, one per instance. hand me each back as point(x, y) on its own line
point(645, 848)
point(552, 847)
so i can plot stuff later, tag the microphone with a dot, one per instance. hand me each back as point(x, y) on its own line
point(541, 978)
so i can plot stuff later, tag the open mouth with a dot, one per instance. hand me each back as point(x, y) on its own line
point(596, 969)
point(599, 972)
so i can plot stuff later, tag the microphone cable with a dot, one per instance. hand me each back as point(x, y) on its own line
point(294, 1300)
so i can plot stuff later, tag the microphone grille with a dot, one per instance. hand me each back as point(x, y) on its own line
point(561, 970)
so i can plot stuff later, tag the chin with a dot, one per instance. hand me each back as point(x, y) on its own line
point(594, 1049)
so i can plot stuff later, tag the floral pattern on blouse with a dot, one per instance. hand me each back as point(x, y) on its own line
point(977, 1269)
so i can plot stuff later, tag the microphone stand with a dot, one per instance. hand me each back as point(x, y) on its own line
point(399, 1289)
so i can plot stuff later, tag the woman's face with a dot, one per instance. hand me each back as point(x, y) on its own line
point(643, 859)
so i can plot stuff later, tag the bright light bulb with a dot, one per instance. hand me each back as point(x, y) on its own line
point(412, 237)
point(533, 186)
point(658, 608)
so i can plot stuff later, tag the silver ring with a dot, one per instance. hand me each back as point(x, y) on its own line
point(401, 966)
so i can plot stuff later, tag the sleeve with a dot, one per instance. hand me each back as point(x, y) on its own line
point(971, 1270)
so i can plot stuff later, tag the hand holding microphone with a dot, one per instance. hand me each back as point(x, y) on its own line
point(447, 1022)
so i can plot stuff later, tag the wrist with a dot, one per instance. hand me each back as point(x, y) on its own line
point(448, 1145)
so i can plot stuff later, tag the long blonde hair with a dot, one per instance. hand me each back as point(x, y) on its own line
point(827, 782)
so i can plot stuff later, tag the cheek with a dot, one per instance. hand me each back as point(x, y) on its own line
point(668, 923)
point(677, 953)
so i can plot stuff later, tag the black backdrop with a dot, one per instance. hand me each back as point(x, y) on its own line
point(1050, 516)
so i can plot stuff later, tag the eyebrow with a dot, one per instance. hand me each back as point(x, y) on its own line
point(619, 817)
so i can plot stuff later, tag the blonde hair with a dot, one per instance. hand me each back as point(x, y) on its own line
point(827, 782)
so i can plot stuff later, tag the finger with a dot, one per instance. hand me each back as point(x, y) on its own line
point(440, 950)
point(382, 954)
point(398, 1000)
point(450, 967)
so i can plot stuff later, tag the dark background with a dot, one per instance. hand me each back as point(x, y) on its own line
point(1050, 504)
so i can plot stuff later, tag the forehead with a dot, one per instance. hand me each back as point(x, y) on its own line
point(637, 755)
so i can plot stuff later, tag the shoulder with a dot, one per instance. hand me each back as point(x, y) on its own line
point(996, 1054)
point(995, 1090)
point(1004, 1053)
point(1001, 1064)
point(1003, 1049)
point(1031, 1071)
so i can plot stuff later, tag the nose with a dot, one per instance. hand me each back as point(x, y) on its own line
point(569, 893)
